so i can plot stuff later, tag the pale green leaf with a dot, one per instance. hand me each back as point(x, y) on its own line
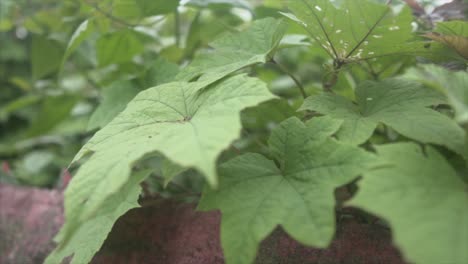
point(187, 124)
point(357, 30)
point(90, 235)
point(399, 104)
point(255, 195)
point(118, 47)
point(234, 51)
point(423, 199)
point(84, 30)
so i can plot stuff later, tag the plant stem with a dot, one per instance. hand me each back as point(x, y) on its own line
point(287, 72)
point(327, 85)
point(177, 27)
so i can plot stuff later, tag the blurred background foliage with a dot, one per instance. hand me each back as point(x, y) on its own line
point(67, 67)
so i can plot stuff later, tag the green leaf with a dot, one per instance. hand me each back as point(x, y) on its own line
point(187, 124)
point(399, 104)
point(263, 116)
point(454, 28)
point(115, 98)
point(234, 51)
point(132, 9)
point(358, 30)
point(118, 47)
point(117, 95)
point(46, 56)
point(160, 72)
point(220, 3)
point(16, 105)
point(90, 236)
point(453, 34)
point(54, 110)
point(255, 195)
point(453, 84)
point(423, 199)
point(84, 30)
point(169, 170)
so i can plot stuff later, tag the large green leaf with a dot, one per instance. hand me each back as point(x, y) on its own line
point(357, 30)
point(234, 51)
point(255, 195)
point(453, 84)
point(399, 104)
point(186, 123)
point(90, 236)
point(118, 47)
point(423, 199)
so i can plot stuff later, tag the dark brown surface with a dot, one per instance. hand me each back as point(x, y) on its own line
point(172, 233)
point(29, 218)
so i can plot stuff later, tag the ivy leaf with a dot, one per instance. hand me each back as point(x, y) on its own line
point(423, 199)
point(187, 124)
point(399, 104)
point(255, 195)
point(118, 47)
point(358, 30)
point(90, 236)
point(234, 51)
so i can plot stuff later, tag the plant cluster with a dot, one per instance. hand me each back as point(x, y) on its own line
point(265, 109)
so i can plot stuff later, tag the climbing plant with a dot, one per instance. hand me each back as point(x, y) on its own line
point(264, 108)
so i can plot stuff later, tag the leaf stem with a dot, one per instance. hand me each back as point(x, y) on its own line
point(287, 72)
point(337, 65)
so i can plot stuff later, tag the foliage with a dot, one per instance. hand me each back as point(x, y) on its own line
point(264, 108)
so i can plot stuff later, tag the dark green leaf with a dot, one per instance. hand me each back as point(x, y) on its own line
point(46, 56)
point(255, 195)
point(423, 199)
point(118, 47)
point(399, 104)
